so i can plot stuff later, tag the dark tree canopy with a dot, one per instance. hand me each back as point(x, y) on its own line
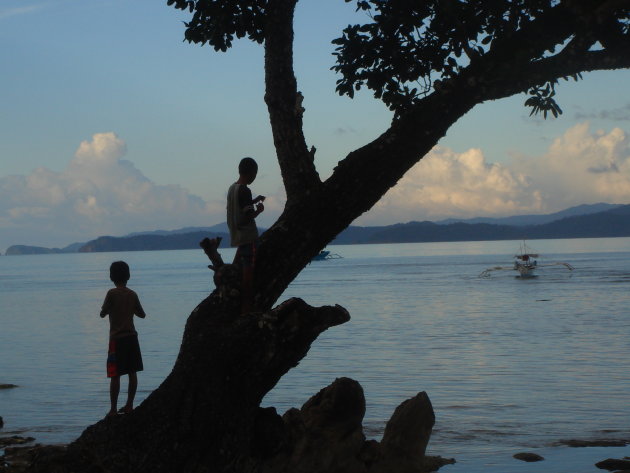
point(431, 62)
point(410, 47)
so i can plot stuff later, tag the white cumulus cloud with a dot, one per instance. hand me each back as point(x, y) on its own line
point(99, 193)
point(580, 167)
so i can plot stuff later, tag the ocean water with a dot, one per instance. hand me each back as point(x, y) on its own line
point(509, 364)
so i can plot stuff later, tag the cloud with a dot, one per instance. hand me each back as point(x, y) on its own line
point(579, 167)
point(99, 193)
point(616, 114)
point(343, 130)
point(448, 184)
point(13, 11)
point(582, 167)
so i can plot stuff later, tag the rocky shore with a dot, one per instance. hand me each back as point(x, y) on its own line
point(18, 452)
point(334, 413)
point(17, 459)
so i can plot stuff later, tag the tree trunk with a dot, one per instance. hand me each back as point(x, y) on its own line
point(204, 416)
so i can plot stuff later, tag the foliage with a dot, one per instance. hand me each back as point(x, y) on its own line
point(217, 22)
point(408, 48)
point(542, 100)
point(410, 44)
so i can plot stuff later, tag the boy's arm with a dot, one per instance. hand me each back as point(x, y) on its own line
point(139, 311)
point(259, 209)
point(246, 204)
point(106, 306)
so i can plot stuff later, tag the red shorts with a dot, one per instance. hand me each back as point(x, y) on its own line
point(123, 356)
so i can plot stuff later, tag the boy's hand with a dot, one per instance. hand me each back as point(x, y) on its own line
point(259, 208)
point(260, 198)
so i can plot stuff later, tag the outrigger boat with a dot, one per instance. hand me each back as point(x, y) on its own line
point(525, 263)
point(324, 255)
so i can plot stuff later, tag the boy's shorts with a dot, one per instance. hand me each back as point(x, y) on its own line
point(123, 356)
point(247, 254)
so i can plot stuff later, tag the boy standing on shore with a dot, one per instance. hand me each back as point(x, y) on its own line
point(123, 356)
point(242, 211)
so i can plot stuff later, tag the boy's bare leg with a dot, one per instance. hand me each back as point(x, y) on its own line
point(131, 392)
point(114, 389)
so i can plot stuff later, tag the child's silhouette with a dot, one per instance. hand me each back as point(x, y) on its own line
point(242, 210)
point(123, 356)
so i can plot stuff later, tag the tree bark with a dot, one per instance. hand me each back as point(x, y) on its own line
point(284, 102)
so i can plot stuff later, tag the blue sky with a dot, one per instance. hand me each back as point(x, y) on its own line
point(112, 124)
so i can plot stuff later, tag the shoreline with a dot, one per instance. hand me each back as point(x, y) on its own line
point(17, 452)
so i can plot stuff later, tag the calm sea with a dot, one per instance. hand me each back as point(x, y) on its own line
point(509, 364)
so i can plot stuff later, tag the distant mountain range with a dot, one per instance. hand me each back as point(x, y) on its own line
point(614, 222)
point(521, 220)
point(584, 221)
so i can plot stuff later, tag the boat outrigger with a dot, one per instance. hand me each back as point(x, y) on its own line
point(525, 262)
point(324, 255)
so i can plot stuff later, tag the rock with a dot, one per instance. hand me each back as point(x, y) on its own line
point(595, 443)
point(1, 422)
point(18, 459)
point(409, 429)
point(528, 457)
point(338, 408)
point(326, 434)
point(434, 463)
point(14, 440)
point(8, 386)
point(406, 436)
point(611, 464)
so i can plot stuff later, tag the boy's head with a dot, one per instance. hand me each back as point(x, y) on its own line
point(119, 272)
point(248, 168)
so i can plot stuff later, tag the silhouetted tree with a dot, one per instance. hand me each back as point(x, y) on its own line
point(430, 62)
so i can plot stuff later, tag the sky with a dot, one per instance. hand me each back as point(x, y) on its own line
point(110, 124)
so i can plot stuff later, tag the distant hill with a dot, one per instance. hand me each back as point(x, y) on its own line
point(151, 242)
point(218, 228)
point(537, 219)
point(584, 221)
point(30, 250)
point(611, 223)
point(39, 250)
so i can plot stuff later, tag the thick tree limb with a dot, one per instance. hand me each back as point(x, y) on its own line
point(366, 174)
point(285, 102)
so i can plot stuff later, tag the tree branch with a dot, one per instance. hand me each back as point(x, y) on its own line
point(512, 66)
point(284, 102)
point(588, 61)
